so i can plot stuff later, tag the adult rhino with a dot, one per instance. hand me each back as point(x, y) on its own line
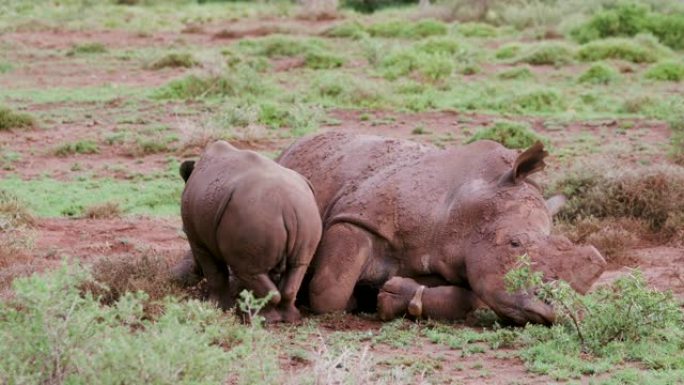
point(396, 212)
point(245, 212)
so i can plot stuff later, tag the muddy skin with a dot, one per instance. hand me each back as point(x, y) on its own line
point(244, 213)
point(456, 218)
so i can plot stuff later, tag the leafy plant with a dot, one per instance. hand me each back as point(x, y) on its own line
point(510, 134)
point(599, 73)
point(672, 71)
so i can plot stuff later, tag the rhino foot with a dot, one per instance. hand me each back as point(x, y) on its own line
point(395, 296)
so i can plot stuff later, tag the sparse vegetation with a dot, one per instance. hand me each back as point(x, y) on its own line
point(632, 50)
point(510, 134)
point(599, 73)
point(556, 54)
point(517, 73)
point(105, 210)
point(672, 71)
point(10, 119)
point(407, 30)
point(80, 147)
point(87, 49)
point(174, 60)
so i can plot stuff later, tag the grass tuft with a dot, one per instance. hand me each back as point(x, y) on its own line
point(477, 30)
point(547, 53)
point(349, 30)
point(87, 49)
point(672, 71)
point(407, 30)
point(80, 147)
point(516, 73)
point(653, 194)
point(631, 50)
point(599, 73)
point(105, 210)
point(174, 60)
point(510, 134)
point(241, 81)
point(10, 120)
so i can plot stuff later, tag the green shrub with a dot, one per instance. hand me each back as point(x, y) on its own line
point(619, 322)
point(399, 63)
point(476, 30)
point(631, 50)
point(10, 120)
point(516, 73)
point(439, 45)
point(436, 67)
point(52, 332)
point(320, 59)
point(407, 30)
point(539, 100)
point(5, 67)
point(599, 73)
point(510, 134)
point(548, 53)
point(174, 60)
point(280, 45)
point(342, 90)
point(672, 71)
point(630, 19)
point(350, 30)
point(508, 51)
point(241, 81)
point(87, 49)
point(80, 147)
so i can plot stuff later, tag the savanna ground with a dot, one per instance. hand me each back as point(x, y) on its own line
point(100, 101)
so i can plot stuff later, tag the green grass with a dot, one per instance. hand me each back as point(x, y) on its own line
point(174, 60)
point(407, 30)
point(53, 332)
point(240, 82)
point(87, 49)
point(80, 147)
point(52, 198)
point(5, 67)
point(547, 53)
point(599, 73)
point(510, 134)
point(476, 30)
point(10, 119)
point(632, 50)
point(516, 73)
point(672, 71)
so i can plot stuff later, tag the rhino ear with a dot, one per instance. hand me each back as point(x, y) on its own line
point(527, 163)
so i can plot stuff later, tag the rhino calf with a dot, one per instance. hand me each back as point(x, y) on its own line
point(247, 216)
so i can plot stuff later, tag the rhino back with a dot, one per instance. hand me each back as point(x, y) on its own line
point(402, 191)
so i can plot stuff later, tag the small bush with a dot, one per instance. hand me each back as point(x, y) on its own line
point(436, 67)
point(13, 212)
point(407, 30)
point(349, 30)
point(630, 19)
point(510, 134)
point(653, 194)
point(281, 46)
point(556, 54)
point(241, 81)
point(338, 89)
point(52, 332)
point(87, 49)
point(517, 73)
point(535, 101)
point(105, 210)
point(476, 30)
point(10, 120)
point(440, 45)
point(174, 60)
point(399, 63)
point(508, 51)
point(599, 73)
point(672, 71)
point(80, 147)
point(320, 59)
point(631, 50)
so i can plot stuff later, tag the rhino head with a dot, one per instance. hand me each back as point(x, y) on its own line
point(507, 217)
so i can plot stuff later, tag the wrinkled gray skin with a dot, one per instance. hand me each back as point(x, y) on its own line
point(455, 219)
point(245, 212)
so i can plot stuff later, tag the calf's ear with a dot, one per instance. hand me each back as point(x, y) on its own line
point(556, 203)
point(527, 163)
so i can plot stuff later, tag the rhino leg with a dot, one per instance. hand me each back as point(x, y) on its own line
point(261, 285)
point(186, 272)
point(400, 296)
point(339, 262)
point(217, 275)
point(289, 286)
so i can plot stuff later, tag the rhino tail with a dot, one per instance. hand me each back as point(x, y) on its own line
point(186, 169)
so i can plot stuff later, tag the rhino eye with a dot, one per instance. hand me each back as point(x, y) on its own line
point(515, 243)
